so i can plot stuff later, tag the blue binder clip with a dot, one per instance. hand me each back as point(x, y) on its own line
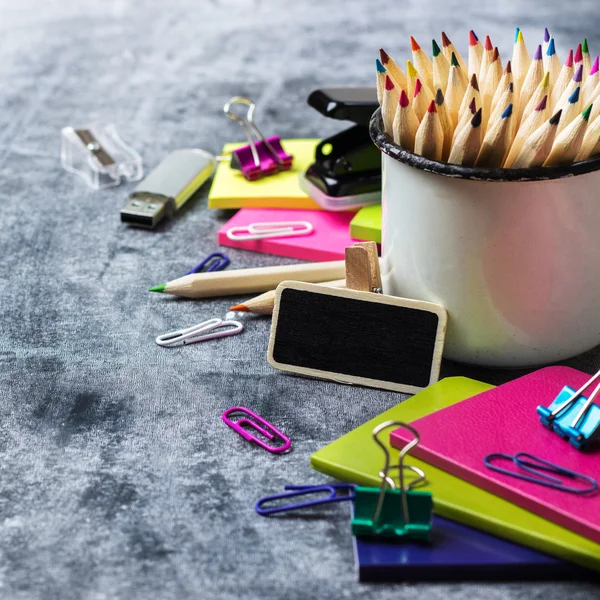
point(397, 512)
point(574, 417)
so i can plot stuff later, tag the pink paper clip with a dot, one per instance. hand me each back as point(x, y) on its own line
point(267, 431)
point(259, 158)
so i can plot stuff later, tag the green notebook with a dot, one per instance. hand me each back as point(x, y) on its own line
point(366, 224)
point(356, 458)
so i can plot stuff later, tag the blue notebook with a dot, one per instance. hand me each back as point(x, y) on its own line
point(458, 553)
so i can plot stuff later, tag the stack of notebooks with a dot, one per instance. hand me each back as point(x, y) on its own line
point(279, 198)
point(487, 525)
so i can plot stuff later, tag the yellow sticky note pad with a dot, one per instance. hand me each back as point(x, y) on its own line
point(282, 190)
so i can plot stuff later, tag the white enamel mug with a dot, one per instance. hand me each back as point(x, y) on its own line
point(513, 254)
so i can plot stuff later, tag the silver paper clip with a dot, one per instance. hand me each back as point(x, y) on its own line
point(262, 231)
point(200, 332)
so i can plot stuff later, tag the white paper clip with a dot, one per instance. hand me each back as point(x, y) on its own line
point(198, 333)
point(261, 231)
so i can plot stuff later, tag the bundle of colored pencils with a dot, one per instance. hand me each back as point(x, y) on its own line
point(533, 112)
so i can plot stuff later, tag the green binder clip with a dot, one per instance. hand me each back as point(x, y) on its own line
point(396, 512)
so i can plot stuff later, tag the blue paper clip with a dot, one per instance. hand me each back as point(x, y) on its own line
point(300, 490)
point(539, 467)
point(573, 416)
point(213, 262)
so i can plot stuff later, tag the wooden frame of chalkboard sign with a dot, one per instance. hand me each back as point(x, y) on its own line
point(357, 337)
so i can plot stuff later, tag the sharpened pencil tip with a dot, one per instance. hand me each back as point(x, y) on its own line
point(542, 104)
point(389, 84)
point(507, 112)
point(488, 44)
point(476, 120)
point(439, 97)
point(586, 113)
point(158, 288)
point(380, 67)
point(578, 55)
point(413, 44)
point(445, 40)
point(435, 49)
point(517, 34)
point(546, 35)
point(496, 54)
point(385, 57)
point(508, 68)
point(431, 108)
point(555, 118)
point(403, 101)
point(410, 69)
point(473, 106)
point(473, 41)
point(551, 48)
point(239, 308)
point(418, 87)
point(578, 74)
point(584, 46)
point(574, 97)
point(454, 61)
point(595, 66)
point(569, 59)
point(520, 37)
point(538, 53)
point(545, 81)
point(474, 83)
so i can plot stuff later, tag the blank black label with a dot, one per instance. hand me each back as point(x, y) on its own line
point(355, 337)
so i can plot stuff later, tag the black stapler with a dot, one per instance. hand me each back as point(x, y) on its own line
point(346, 173)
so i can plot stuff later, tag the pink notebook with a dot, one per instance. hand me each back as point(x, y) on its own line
point(504, 419)
point(328, 240)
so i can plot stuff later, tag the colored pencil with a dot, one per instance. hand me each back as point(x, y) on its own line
point(494, 74)
point(546, 43)
point(394, 71)
point(411, 78)
point(445, 121)
point(520, 61)
point(537, 146)
point(552, 62)
point(486, 60)
point(506, 99)
point(421, 99)
point(568, 91)
point(496, 142)
point(381, 73)
point(422, 63)
point(541, 91)
point(595, 100)
point(471, 92)
point(535, 74)
point(475, 54)
point(590, 147)
point(564, 77)
point(406, 123)
point(570, 110)
point(429, 141)
point(455, 90)
point(467, 144)
point(587, 59)
point(530, 124)
point(591, 82)
point(578, 57)
point(568, 142)
point(388, 106)
point(441, 67)
point(250, 281)
point(465, 118)
point(448, 49)
point(265, 303)
point(507, 77)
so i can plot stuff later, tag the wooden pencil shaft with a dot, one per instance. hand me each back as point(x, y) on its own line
point(252, 281)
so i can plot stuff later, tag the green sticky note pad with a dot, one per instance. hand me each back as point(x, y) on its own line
point(366, 224)
point(356, 458)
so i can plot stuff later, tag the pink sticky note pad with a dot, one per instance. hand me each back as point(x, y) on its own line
point(504, 419)
point(328, 241)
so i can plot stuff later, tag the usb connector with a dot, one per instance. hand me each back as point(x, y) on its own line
point(146, 210)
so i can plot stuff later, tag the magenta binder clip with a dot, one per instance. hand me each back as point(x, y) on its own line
point(260, 425)
point(261, 157)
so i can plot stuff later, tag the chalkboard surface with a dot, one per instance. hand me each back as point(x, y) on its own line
point(363, 336)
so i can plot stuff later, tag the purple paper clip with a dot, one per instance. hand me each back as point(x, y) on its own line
point(301, 490)
point(267, 431)
point(259, 158)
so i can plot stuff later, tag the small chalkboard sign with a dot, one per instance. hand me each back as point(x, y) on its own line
point(356, 337)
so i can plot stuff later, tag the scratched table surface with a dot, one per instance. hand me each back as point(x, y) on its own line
point(117, 477)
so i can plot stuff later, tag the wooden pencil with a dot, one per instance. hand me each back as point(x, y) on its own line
point(381, 73)
point(448, 49)
point(542, 90)
point(465, 118)
point(388, 106)
point(590, 147)
point(578, 58)
point(565, 75)
point(506, 79)
point(568, 142)
point(572, 85)
point(496, 142)
point(570, 110)
point(507, 98)
point(535, 120)
point(421, 99)
point(587, 59)
point(411, 78)
point(422, 63)
point(394, 71)
point(467, 144)
point(441, 67)
point(429, 141)
point(406, 124)
point(471, 92)
point(494, 74)
point(535, 74)
point(264, 304)
point(520, 61)
point(455, 90)
point(591, 82)
point(475, 54)
point(445, 121)
point(537, 146)
point(552, 62)
point(486, 60)
point(250, 281)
